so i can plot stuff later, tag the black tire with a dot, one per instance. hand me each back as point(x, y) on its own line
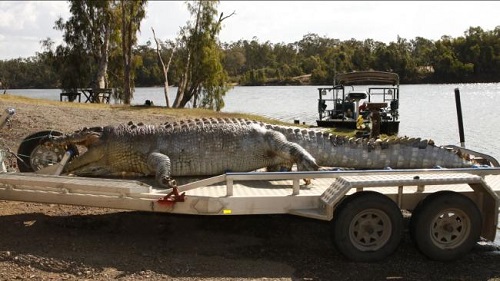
point(446, 225)
point(33, 155)
point(367, 227)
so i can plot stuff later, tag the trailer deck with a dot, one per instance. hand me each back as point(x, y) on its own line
point(246, 193)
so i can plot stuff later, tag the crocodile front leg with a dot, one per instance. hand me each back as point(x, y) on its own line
point(160, 163)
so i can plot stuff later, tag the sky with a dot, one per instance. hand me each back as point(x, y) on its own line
point(23, 24)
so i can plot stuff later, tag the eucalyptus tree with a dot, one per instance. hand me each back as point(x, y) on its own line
point(401, 60)
point(312, 44)
point(147, 70)
point(202, 77)
point(448, 67)
point(482, 49)
point(97, 36)
point(87, 36)
point(170, 46)
point(132, 13)
point(362, 54)
point(421, 51)
point(287, 59)
point(234, 59)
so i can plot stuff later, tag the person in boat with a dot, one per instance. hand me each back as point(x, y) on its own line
point(360, 123)
point(348, 113)
point(363, 107)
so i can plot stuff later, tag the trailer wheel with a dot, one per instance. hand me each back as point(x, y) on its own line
point(33, 155)
point(367, 227)
point(446, 225)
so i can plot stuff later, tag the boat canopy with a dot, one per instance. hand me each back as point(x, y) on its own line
point(367, 77)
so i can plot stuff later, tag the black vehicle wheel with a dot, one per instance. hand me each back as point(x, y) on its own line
point(367, 227)
point(446, 225)
point(33, 155)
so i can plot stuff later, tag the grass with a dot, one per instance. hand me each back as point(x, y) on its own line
point(178, 113)
point(349, 132)
point(342, 132)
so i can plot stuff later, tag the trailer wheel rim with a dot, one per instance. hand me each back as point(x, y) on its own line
point(370, 230)
point(450, 228)
point(43, 156)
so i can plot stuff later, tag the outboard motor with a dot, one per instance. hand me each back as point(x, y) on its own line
point(356, 97)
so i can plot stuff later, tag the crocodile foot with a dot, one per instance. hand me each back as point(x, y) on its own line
point(169, 182)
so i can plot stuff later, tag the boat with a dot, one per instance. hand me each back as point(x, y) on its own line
point(376, 91)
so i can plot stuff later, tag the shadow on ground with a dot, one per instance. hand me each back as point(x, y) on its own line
point(135, 244)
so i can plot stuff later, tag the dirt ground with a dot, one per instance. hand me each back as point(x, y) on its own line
point(58, 242)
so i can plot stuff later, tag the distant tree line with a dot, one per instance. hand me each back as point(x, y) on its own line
point(474, 57)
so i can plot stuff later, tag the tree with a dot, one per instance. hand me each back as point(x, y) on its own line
point(132, 13)
point(164, 67)
point(87, 36)
point(448, 67)
point(147, 69)
point(202, 77)
point(234, 60)
point(98, 35)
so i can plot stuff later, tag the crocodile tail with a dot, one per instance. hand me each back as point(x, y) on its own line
point(397, 153)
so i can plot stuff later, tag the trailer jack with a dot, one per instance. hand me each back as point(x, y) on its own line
point(173, 197)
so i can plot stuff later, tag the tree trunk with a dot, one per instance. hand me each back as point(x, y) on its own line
point(164, 68)
point(126, 33)
point(101, 81)
point(179, 98)
point(188, 95)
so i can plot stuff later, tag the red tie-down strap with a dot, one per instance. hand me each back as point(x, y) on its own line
point(173, 197)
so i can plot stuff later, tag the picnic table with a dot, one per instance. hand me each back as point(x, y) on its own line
point(91, 95)
point(97, 95)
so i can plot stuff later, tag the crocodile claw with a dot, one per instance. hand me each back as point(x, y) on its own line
point(169, 182)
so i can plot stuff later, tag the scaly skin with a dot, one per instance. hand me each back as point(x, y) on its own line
point(203, 147)
point(396, 153)
point(199, 147)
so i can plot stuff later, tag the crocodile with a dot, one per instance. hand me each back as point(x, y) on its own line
point(200, 147)
point(211, 146)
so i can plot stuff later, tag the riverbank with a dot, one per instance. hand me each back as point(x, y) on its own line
point(57, 242)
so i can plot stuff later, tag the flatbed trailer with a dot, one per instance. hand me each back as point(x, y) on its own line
point(366, 227)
